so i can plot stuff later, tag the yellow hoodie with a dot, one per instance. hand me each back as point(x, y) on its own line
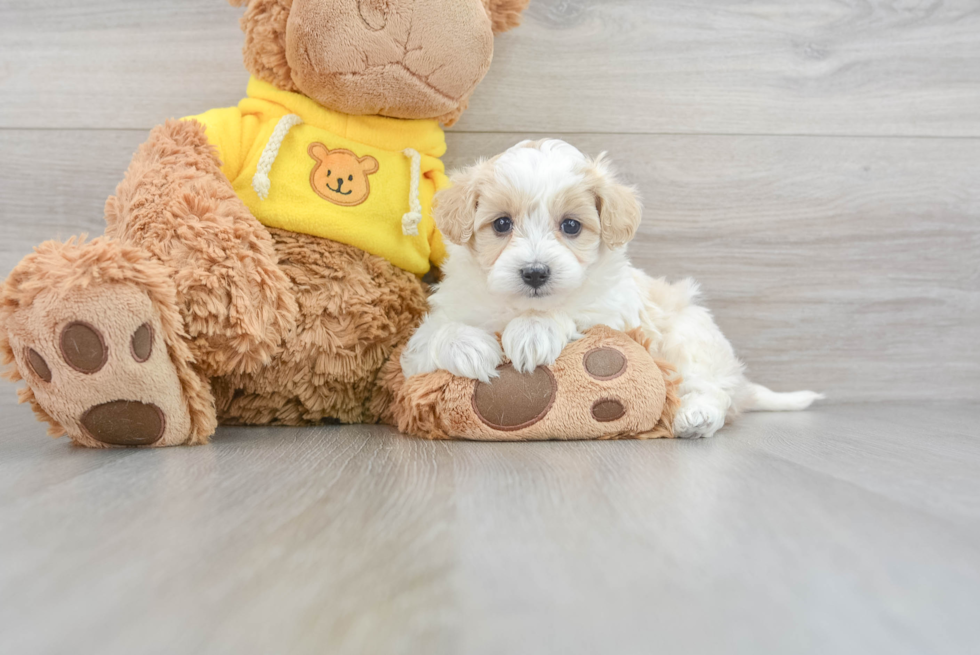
point(367, 181)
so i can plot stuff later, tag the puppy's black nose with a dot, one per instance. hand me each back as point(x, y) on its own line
point(535, 276)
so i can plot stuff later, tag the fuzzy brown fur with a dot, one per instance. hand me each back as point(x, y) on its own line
point(177, 206)
point(355, 309)
point(505, 14)
point(672, 382)
point(264, 24)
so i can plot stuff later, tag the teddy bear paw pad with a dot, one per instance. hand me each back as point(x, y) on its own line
point(513, 401)
point(125, 423)
point(608, 409)
point(604, 363)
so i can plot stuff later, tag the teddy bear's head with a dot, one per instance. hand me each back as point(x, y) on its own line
point(395, 58)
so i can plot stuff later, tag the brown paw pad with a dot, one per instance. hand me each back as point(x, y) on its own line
point(39, 365)
point(141, 344)
point(125, 423)
point(513, 400)
point(83, 347)
point(607, 410)
point(604, 363)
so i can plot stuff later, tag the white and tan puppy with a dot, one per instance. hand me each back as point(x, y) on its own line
point(537, 252)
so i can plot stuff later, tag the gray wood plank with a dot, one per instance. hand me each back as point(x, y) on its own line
point(54, 184)
point(845, 265)
point(780, 67)
point(849, 529)
point(117, 63)
point(713, 66)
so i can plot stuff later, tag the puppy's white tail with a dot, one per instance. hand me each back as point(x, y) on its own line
point(761, 399)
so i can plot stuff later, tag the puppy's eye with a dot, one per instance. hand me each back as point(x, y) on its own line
point(328, 173)
point(350, 178)
point(503, 225)
point(571, 227)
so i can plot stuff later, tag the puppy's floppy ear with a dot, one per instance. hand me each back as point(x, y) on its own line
point(454, 209)
point(620, 210)
point(505, 14)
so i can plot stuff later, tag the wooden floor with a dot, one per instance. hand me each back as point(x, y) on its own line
point(848, 529)
point(815, 165)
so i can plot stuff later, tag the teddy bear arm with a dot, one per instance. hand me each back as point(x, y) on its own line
point(177, 205)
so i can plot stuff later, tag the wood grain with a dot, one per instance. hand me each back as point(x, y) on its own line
point(871, 67)
point(880, 67)
point(846, 265)
point(850, 529)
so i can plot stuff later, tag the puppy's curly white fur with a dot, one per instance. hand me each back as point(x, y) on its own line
point(537, 253)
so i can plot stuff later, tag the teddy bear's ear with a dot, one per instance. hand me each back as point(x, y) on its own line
point(505, 14)
point(264, 24)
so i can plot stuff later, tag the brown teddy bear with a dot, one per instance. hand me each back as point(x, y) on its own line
point(262, 263)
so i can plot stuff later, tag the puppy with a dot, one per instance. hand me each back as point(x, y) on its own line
point(537, 252)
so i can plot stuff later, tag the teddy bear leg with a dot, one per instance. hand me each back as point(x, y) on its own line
point(604, 386)
point(176, 204)
point(354, 310)
point(94, 330)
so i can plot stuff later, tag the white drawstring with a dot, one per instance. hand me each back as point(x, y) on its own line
point(261, 182)
point(411, 220)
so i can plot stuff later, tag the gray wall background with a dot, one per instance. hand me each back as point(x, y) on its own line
point(816, 166)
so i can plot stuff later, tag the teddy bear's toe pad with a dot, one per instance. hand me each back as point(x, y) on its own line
point(125, 423)
point(608, 410)
point(605, 363)
point(514, 401)
point(38, 365)
point(83, 347)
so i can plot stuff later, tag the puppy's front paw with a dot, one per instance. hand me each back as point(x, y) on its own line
point(532, 341)
point(699, 416)
point(461, 349)
point(472, 354)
